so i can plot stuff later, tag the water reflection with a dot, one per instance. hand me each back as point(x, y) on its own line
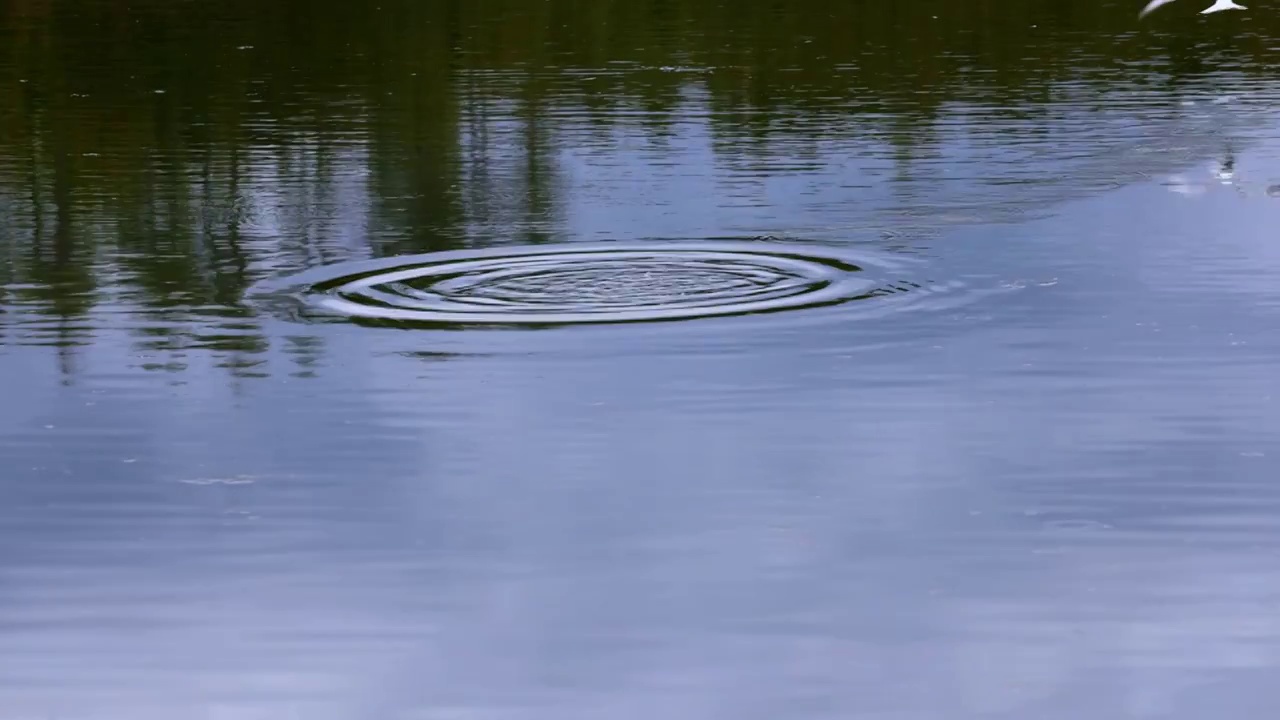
point(220, 148)
point(1046, 495)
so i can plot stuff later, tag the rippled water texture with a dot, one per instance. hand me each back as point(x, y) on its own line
point(599, 283)
point(429, 359)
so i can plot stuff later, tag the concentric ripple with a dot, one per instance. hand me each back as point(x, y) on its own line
point(589, 283)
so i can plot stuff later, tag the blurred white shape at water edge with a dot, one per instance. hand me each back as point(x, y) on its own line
point(1198, 182)
point(1217, 6)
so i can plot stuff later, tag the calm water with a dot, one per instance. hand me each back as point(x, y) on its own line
point(667, 358)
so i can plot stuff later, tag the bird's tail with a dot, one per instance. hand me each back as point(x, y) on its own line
point(1221, 5)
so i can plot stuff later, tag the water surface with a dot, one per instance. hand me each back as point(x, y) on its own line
point(580, 360)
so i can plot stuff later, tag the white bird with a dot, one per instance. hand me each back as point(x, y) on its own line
point(1217, 6)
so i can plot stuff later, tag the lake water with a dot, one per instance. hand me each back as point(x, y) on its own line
point(667, 358)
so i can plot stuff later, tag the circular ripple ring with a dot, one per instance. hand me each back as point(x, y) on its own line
point(588, 283)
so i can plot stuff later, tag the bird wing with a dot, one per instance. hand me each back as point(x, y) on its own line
point(1154, 4)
